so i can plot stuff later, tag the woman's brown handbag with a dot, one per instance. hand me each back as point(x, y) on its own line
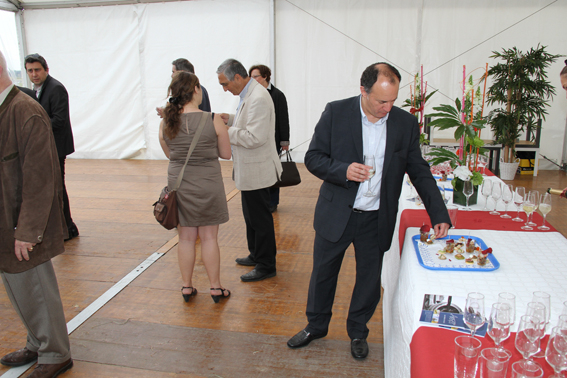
point(165, 208)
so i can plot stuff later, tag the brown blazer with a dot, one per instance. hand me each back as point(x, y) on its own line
point(31, 199)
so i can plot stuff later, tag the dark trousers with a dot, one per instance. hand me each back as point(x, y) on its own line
point(274, 197)
point(362, 230)
point(66, 208)
point(259, 228)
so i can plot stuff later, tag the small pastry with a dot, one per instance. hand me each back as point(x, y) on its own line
point(469, 261)
point(424, 233)
point(442, 257)
point(458, 256)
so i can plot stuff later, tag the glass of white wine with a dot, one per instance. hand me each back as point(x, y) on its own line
point(519, 195)
point(369, 161)
point(544, 209)
point(529, 207)
point(536, 203)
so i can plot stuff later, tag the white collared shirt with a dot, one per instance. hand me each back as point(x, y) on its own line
point(373, 143)
point(5, 92)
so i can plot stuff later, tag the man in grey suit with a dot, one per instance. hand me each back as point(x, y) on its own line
point(256, 165)
point(348, 130)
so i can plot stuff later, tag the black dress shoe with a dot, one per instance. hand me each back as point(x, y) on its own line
point(246, 261)
point(257, 275)
point(302, 338)
point(359, 348)
point(19, 357)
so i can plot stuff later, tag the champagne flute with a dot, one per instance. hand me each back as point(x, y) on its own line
point(529, 207)
point(510, 300)
point(496, 194)
point(369, 161)
point(538, 311)
point(536, 204)
point(486, 191)
point(554, 355)
point(499, 323)
point(507, 195)
point(519, 195)
point(468, 190)
point(474, 311)
point(544, 209)
point(527, 337)
point(545, 299)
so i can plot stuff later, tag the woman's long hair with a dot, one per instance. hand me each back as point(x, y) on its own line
point(180, 92)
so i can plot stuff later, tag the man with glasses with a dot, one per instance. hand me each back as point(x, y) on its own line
point(53, 96)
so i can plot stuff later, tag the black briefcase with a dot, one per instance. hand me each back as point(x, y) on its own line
point(290, 174)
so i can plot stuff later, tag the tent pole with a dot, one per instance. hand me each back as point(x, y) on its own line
point(273, 40)
point(22, 45)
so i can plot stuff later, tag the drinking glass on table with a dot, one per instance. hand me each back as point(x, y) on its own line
point(468, 190)
point(525, 369)
point(529, 207)
point(519, 195)
point(482, 163)
point(510, 300)
point(539, 312)
point(493, 362)
point(486, 191)
point(544, 209)
point(467, 350)
point(554, 354)
point(507, 195)
point(369, 160)
point(474, 311)
point(527, 337)
point(499, 323)
point(536, 202)
point(496, 194)
point(545, 299)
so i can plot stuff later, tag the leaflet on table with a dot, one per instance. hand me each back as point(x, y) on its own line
point(446, 311)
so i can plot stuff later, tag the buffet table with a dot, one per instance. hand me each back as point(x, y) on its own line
point(529, 261)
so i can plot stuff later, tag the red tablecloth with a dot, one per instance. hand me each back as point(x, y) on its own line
point(472, 220)
point(432, 351)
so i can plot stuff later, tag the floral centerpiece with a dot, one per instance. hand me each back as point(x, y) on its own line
point(468, 125)
point(416, 103)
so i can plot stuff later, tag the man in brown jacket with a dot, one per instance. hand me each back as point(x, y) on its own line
point(32, 229)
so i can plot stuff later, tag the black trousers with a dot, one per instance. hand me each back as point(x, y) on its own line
point(259, 228)
point(362, 231)
point(66, 208)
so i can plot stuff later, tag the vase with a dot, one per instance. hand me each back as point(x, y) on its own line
point(508, 170)
point(459, 198)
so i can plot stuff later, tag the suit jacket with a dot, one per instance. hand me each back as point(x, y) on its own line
point(29, 92)
point(282, 116)
point(31, 192)
point(55, 100)
point(205, 102)
point(337, 142)
point(256, 162)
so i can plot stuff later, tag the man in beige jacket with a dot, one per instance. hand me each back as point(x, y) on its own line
point(256, 165)
point(32, 229)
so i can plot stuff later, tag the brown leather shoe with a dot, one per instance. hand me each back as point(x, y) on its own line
point(51, 370)
point(19, 357)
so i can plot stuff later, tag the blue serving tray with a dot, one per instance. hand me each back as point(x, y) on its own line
point(427, 256)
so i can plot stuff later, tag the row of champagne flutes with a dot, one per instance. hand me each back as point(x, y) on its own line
point(529, 203)
point(531, 329)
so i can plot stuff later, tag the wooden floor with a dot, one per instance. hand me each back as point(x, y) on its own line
point(147, 330)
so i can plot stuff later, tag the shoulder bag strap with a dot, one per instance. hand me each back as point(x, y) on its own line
point(191, 148)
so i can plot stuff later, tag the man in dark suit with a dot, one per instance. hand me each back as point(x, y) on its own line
point(53, 96)
point(262, 75)
point(348, 130)
point(183, 64)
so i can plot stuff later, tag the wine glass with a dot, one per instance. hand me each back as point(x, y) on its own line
point(499, 323)
point(443, 193)
point(536, 204)
point(527, 337)
point(369, 161)
point(545, 299)
point(474, 311)
point(538, 311)
point(482, 163)
point(519, 195)
point(507, 195)
point(525, 369)
point(529, 207)
point(468, 190)
point(509, 299)
point(554, 355)
point(496, 194)
point(486, 191)
point(544, 209)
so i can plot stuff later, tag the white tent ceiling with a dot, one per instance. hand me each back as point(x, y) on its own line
point(115, 60)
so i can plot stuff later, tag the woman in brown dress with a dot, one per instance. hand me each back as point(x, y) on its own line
point(201, 198)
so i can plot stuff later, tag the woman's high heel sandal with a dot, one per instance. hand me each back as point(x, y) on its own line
point(216, 298)
point(186, 297)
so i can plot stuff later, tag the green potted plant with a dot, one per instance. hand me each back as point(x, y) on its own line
point(520, 87)
point(416, 103)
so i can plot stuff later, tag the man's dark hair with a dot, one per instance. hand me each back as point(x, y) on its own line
point(32, 58)
point(230, 68)
point(371, 73)
point(183, 64)
point(265, 71)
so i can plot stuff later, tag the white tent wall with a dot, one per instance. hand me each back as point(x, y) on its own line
point(115, 60)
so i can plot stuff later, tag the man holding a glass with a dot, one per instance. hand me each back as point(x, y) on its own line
point(354, 209)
